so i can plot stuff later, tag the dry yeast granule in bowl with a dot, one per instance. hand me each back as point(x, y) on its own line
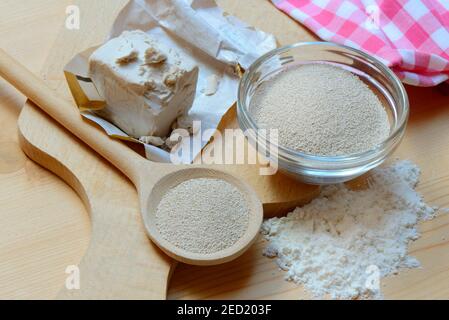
point(337, 112)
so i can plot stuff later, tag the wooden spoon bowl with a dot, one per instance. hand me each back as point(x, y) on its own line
point(152, 180)
point(174, 178)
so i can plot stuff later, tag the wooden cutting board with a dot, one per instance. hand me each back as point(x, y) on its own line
point(111, 268)
point(120, 262)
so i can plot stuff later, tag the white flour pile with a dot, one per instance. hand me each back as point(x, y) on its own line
point(203, 215)
point(321, 109)
point(334, 244)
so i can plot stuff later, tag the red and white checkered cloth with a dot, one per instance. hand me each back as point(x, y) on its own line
point(410, 36)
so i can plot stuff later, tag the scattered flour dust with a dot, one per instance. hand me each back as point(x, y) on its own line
point(337, 242)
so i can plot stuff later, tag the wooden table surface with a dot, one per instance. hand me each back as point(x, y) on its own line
point(44, 226)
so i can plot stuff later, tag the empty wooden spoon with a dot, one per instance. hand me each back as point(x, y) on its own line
point(152, 180)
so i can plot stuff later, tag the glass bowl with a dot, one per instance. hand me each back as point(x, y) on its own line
point(316, 169)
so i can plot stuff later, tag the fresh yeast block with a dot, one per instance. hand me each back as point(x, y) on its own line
point(145, 84)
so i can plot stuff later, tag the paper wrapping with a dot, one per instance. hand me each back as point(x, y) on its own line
point(219, 43)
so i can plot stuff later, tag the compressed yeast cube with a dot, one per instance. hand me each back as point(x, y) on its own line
point(146, 85)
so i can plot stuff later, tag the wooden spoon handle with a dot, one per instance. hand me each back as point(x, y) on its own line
point(68, 116)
